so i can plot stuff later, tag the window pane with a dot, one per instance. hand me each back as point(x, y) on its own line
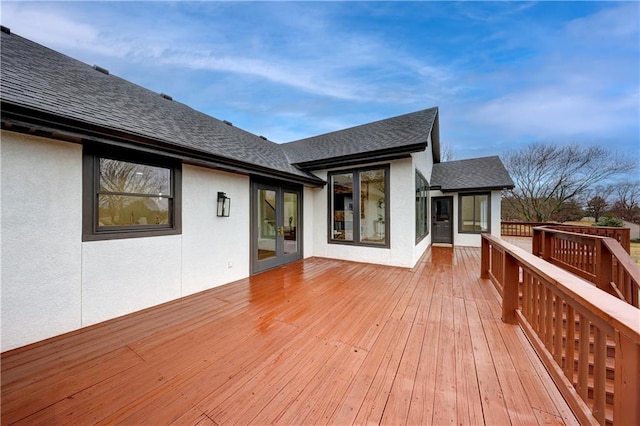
point(122, 210)
point(372, 207)
point(466, 207)
point(122, 176)
point(291, 222)
point(482, 213)
point(422, 207)
point(266, 224)
point(342, 206)
point(474, 213)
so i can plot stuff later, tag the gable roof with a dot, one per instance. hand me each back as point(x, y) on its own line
point(394, 137)
point(64, 93)
point(487, 173)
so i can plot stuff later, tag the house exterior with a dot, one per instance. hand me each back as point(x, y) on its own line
point(116, 198)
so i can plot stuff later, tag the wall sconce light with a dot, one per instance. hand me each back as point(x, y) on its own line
point(224, 205)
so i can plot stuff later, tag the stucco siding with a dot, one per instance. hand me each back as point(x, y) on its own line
point(124, 276)
point(41, 192)
point(215, 250)
point(310, 213)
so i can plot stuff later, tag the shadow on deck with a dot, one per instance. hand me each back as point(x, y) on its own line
point(316, 341)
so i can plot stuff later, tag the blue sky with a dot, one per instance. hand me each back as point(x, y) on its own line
point(502, 74)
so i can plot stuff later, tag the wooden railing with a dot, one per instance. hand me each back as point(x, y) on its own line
point(621, 235)
point(525, 229)
point(518, 229)
point(588, 340)
point(600, 260)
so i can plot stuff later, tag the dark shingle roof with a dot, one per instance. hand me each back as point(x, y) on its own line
point(405, 133)
point(473, 174)
point(44, 80)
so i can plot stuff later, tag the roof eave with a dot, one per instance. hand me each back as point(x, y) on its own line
point(474, 189)
point(435, 137)
point(362, 158)
point(43, 123)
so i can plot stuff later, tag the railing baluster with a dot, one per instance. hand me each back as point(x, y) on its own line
point(548, 308)
point(570, 347)
point(535, 314)
point(557, 331)
point(599, 375)
point(583, 358)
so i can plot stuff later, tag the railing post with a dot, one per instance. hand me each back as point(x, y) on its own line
point(511, 279)
point(484, 259)
point(604, 267)
point(626, 410)
point(535, 243)
point(548, 242)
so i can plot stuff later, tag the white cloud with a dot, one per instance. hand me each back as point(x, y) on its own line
point(556, 113)
point(44, 25)
point(322, 59)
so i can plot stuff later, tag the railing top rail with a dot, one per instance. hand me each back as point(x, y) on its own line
point(554, 230)
point(623, 258)
point(619, 314)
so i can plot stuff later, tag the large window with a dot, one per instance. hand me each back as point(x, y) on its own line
point(475, 213)
point(422, 207)
point(358, 207)
point(129, 195)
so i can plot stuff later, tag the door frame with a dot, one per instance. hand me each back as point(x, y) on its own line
point(281, 258)
point(449, 239)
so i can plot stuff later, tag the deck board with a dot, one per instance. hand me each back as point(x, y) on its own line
point(318, 341)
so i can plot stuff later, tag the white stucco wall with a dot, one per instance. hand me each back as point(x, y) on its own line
point(309, 213)
point(124, 276)
point(41, 193)
point(53, 283)
point(210, 243)
point(401, 220)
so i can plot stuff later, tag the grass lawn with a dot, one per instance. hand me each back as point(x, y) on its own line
point(635, 252)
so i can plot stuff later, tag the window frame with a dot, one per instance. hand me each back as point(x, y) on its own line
point(91, 156)
point(422, 199)
point(474, 195)
point(356, 208)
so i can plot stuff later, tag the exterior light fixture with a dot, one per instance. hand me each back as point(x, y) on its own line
point(224, 205)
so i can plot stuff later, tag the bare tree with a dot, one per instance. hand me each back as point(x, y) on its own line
point(446, 152)
point(626, 201)
point(597, 206)
point(548, 176)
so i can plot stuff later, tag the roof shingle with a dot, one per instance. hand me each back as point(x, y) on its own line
point(472, 174)
point(408, 132)
point(42, 79)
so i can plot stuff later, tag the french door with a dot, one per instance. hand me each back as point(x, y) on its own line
point(276, 225)
point(442, 220)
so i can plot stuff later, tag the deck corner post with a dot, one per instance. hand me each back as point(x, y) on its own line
point(603, 267)
point(510, 289)
point(547, 243)
point(536, 248)
point(484, 258)
point(626, 409)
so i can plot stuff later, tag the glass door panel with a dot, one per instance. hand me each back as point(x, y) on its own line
point(276, 226)
point(291, 222)
point(267, 227)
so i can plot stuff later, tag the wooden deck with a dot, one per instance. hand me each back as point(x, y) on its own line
point(315, 342)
